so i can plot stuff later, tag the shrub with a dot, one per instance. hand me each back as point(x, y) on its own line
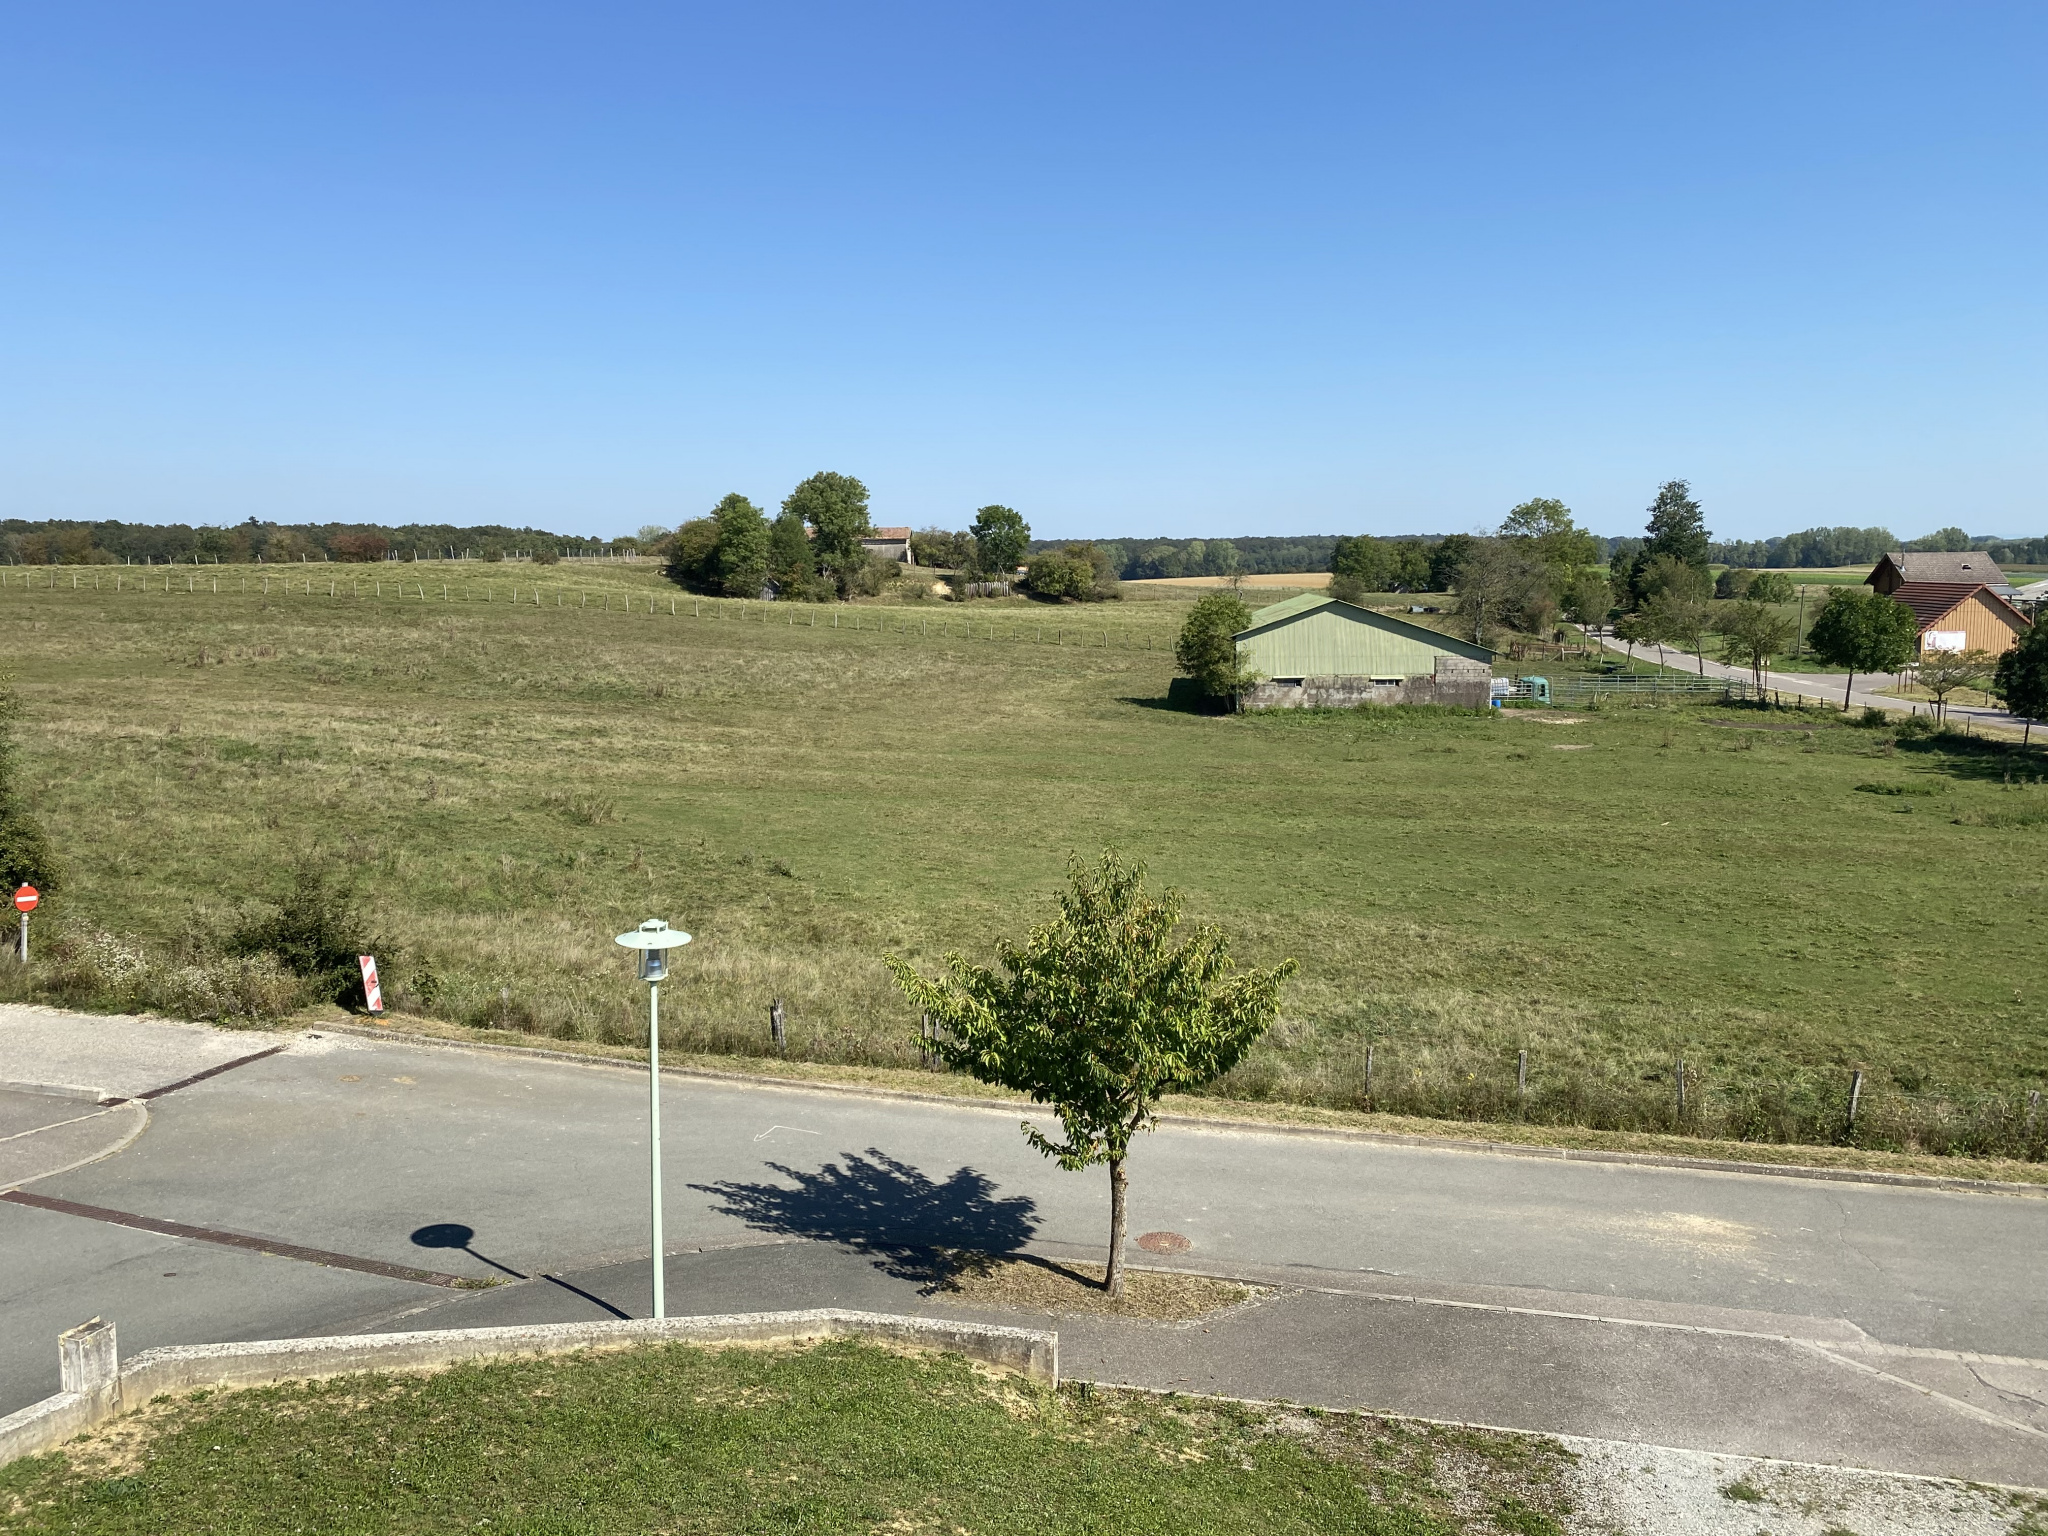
point(547, 554)
point(1873, 718)
point(1916, 728)
point(359, 548)
point(25, 856)
point(316, 932)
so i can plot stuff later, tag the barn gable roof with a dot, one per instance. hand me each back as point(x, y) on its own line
point(1969, 566)
point(1278, 615)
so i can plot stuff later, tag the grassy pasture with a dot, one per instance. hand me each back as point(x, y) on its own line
point(516, 782)
point(835, 1438)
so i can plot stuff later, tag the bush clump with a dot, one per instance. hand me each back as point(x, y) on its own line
point(316, 932)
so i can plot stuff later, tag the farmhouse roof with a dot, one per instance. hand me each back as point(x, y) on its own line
point(1931, 601)
point(1279, 615)
point(1969, 566)
point(895, 535)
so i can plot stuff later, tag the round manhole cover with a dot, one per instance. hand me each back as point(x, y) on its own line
point(1164, 1242)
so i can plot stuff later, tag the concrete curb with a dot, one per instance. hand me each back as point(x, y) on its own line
point(1259, 1127)
point(97, 1387)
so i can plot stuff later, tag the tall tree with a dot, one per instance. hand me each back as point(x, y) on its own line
point(1677, 526)
point(1445, 556)
point(1000, 538)
point(836, 507)
point(1099, 1013)
point(1207, 649)
point(740, 563)
point(1864, 632)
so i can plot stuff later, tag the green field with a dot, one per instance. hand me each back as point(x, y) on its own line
point(836, 1438)
point(515, 782)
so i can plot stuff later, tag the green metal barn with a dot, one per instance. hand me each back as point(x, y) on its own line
point(1316, 651)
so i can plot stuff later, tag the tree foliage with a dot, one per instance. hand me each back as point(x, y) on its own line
point(316, 931)
point(25, 855)
point(740, 563)
point(1752, 636)
point(1499, 583)
point(1207, 648)
point(1941, 673)
point(836, 508)
point(1000, 538)
point(1770, 587)
point(2021, 677)
point(1098, 1013)
point(1864, 631)
point(1677, 527)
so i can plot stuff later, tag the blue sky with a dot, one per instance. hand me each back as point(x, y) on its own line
point(1131, 269)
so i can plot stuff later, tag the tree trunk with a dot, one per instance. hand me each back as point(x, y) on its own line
point(1845, 692)
point(1119, 1182)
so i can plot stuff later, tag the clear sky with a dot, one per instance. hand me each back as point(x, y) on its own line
point(1133, 269)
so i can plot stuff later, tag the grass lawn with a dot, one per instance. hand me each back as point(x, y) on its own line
point(842, 1437)
point(515, 782)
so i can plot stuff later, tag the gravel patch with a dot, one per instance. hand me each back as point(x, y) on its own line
point(1638, 1490)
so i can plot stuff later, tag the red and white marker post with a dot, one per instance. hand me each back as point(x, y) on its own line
point(25, 900)
point(371, 995)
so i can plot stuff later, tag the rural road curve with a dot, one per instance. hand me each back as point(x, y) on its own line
point(1744, 1313)
point(1810, 685)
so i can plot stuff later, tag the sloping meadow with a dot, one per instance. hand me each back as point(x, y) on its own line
point(1496, 916)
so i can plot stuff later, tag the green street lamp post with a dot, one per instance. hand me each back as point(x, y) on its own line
point(654, 938)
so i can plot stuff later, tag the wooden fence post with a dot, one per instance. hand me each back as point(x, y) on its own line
point(1855, 1097)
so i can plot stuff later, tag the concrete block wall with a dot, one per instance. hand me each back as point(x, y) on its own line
point(97, 1387)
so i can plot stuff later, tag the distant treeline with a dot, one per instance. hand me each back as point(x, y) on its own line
point(1155, 559)
point(1863, 546)
point(102, 543)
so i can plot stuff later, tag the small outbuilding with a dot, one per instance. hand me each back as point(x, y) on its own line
point(890, 544)
point(1315, 651)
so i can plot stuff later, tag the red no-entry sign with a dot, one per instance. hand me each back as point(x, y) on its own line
point(26, 898)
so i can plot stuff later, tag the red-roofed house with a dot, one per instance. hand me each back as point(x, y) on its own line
point(1962, 616)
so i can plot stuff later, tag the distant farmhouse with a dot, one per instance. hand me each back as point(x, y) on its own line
point(1961, 601)
point(890, 544)
point(1316, 652)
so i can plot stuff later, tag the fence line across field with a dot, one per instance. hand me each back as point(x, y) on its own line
point(857, 620)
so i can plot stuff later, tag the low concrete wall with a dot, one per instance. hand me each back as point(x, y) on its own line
point(97, 1387)
point(1457, 681)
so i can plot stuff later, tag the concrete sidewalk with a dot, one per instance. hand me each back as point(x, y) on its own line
point(1782, 1388)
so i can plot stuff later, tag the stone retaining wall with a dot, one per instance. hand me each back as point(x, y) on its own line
point(97, 1387)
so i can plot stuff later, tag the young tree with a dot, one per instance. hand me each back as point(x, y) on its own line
point(1098, 1013)
point(2021, 678)
point(1752, 635)
point(1682, 618)
point(836, 507)
point(740, 563)
point(1588, 598)
point(1864, 632)
point(1496, 583)
point(25, 857)
point(1000, 538)
point(1943, 672)
point(1207, 650)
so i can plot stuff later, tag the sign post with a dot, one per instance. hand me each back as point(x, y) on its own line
point(371, 995)
point(653, 939)
point(25, 900)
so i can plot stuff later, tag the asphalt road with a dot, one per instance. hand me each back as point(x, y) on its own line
point(1811, 685)
point(1609, 1300)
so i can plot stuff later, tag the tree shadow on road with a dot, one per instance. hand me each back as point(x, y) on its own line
point(909, 1224)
